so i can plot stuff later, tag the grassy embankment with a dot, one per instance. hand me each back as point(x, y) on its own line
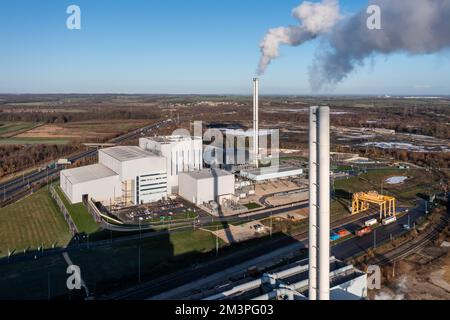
point(31, 222)
point(81, 217)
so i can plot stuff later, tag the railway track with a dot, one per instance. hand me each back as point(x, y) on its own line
point(416, 245)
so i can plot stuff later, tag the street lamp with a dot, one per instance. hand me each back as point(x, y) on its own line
point(217, 241)
point(375, 239)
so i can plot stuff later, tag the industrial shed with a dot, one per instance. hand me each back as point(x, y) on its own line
point(142, 173)
point(125, 174)
point(205, 185)
point(97, 181)
point(270, 173)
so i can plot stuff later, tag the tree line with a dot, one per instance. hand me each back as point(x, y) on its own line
point(14, 158)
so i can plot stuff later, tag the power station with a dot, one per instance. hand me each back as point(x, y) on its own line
point(164, 167)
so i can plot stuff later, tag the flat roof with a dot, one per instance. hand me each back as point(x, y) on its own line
point(247, 133)
point(88, 173)
point(172, 139)
point(208, 173)
point(267, 170)
point(126, 153)
point(271, 173)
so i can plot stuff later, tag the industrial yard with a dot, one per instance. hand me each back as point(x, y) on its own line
point(211, 213)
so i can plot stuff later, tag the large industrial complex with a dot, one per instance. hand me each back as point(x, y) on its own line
point(211, 155)
point(165, 166)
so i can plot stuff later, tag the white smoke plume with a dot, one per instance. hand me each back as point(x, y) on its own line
point(414, 27)
point(314, 19)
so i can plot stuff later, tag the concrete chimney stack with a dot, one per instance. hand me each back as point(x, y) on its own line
point(323, 193)
point(256, 120)
point(312, 203)
point(319, 183)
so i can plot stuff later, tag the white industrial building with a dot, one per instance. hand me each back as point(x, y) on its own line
point(143, 174)
point(287, 282)
point(205, 185)
point(291, 283)
point(182, 154)
point(96, 180)
point(127, 172)
point(269, 173)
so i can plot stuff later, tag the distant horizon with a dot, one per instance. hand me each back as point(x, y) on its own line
point(384, 96)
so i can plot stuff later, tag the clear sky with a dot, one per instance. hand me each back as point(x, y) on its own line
point(179, 46)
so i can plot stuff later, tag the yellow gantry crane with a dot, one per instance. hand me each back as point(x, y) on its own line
point(361, 201)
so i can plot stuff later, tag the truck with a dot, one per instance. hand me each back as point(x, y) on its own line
point(371, 222)
point(363, 231)
point(389, 220)
point(343, 233)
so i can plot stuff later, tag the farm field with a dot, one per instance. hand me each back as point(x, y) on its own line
point(84, 130)
point(33, 221)
point(11, 128)
point(32, 140)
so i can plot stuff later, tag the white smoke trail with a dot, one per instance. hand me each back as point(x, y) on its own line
point(415, 27)
point(314, 19)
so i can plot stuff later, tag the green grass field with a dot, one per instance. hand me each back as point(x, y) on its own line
point(8, 129)
point(31, 222)
point(107, 268)
point(252, 206)
point(419, 181)
point(5, 141)
point(80, 216)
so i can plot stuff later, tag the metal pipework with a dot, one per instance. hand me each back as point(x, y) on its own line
point(312, 287)
point(256, 120)
point(323, 133)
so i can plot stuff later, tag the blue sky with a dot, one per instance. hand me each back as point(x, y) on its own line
point(179, 46)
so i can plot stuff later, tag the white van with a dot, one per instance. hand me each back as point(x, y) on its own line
point(389, 220)
point(371, 222)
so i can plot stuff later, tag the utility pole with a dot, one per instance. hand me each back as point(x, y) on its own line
point(217, 241)
point(271, 224)
point(375, 239)
point(48, 286)
point(139, 264)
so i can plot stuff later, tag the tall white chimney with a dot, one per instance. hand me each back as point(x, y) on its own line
point(256, 120)
point(324, 201)
point(312, 204)
point(319, 214)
